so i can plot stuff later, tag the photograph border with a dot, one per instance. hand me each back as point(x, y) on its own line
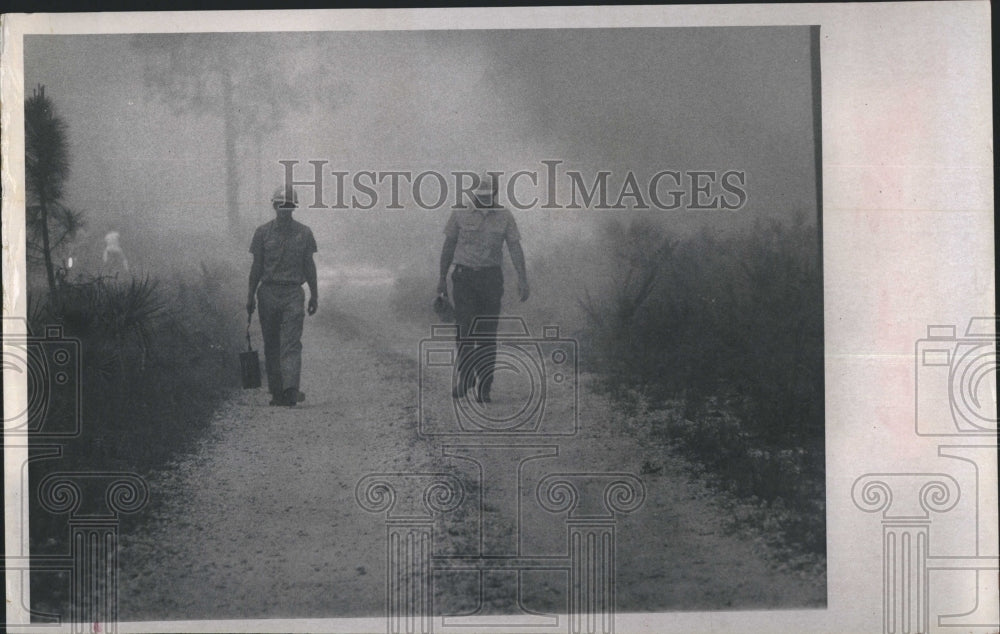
point(889, 204)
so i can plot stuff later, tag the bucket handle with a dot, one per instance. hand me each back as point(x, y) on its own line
point(249, 319)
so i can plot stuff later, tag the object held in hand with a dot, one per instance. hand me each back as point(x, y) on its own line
point(443, 308)
point(249, 364)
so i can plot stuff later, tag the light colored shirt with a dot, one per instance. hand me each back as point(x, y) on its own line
point(283, 251)
point(481, 234)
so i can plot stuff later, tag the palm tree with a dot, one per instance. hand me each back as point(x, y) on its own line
point(46, 166)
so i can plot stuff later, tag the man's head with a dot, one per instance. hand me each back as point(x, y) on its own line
point(284, 201)
point(485, 194)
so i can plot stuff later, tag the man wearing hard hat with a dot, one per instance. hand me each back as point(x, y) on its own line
point(282, 261)
point(474, 239)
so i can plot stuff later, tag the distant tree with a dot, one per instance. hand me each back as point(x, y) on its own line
point(251, 82)
point(46, 164)
point(640, 250)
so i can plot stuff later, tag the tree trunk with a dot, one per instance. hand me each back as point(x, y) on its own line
point(232, 184)
point(50, 272)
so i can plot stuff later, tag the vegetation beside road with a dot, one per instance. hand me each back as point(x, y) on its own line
point(157, 357)
point(716, 345)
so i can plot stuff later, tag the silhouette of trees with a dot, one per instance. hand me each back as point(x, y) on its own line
point(252, 83)
point(49, 223)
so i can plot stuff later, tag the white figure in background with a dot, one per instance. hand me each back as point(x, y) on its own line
point(70, 260)
point(114, 258)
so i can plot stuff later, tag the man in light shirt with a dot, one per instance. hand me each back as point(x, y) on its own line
point(474, 239)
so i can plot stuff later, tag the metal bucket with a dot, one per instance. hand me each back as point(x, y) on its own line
point(249, 364)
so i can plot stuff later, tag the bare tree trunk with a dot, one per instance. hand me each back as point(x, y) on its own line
point(232, 184)
point(50, 272)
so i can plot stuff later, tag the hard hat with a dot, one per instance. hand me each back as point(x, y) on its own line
point(285, 194)
point(486, 191)
point(487, 184)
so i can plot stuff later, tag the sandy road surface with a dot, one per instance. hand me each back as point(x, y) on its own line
point(261, 520)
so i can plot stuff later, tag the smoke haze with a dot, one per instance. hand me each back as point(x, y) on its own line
point(147, 145)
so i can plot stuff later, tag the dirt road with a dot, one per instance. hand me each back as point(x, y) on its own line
point(261, 521)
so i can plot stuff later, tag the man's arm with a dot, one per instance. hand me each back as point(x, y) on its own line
point(255, 271)
point(447, 254)
point(517, 258)
point(311, 281)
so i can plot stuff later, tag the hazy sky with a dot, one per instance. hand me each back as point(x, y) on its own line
point(597, 99)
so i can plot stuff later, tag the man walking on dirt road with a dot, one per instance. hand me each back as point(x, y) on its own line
point(474, 238)
point(282, 260)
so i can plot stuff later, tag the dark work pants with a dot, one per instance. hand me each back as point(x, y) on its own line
point(477, 293)
point(282, 314)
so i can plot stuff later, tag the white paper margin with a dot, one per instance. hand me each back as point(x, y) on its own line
point(907, 176)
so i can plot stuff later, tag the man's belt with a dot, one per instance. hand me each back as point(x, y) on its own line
point(275, 283)
point(475, 269)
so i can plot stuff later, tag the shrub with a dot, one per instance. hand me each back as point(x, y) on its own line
point(738, 317)
point(156, 360)
point(728, 340)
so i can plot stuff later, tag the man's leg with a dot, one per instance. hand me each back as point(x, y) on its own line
point(269, 313)
point(464, 296)
point(293, 315)
point(489, 296)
